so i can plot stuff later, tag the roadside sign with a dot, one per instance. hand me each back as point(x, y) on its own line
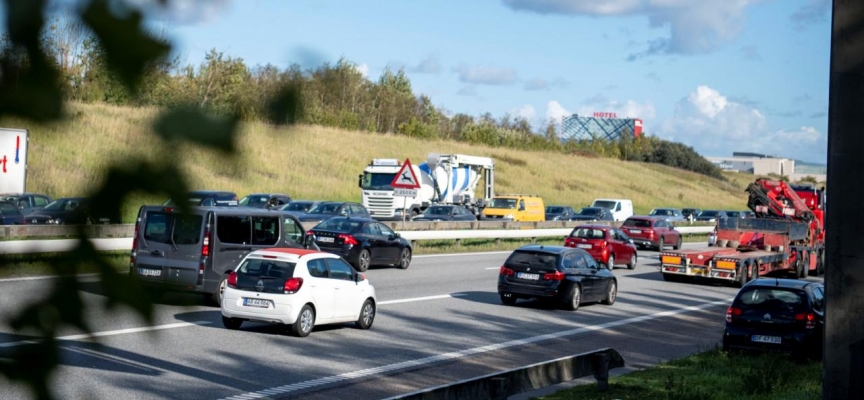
point(405, 192)
point(405, 178)
point(13, 160)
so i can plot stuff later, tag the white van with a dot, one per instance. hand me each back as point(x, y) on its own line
point(621, 208)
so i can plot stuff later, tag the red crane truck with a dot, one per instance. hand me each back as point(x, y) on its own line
point(787, 234)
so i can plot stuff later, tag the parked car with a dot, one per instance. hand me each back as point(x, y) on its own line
point(647, 231)
point(779, 315)
point(208, 198)
point(740, 214)
point(593, 214)
point(711, 215)
point(297, 287)
point(10, 214)
point(298, 207)
point(446, 213)
point(265, 200)
point(559, 213)
point(27, 202)
point(69, 211)
point(329, 209)
point(607, 244)
point(514, 207)
point(621, 208)
point(671, 214)
point(363, 242)
point(567, 275)
point(195, 252)
point(690, 213)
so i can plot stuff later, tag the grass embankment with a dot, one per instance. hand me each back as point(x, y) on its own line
point(712, 375)
point(311, 162)
point(20, 265)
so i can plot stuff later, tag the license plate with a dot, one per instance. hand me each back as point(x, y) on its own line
point(635, 231)
point(524, 275)
point(326, 239)
point(584, 246)
point(150, 272)
point(261, 303)
point(766, 339)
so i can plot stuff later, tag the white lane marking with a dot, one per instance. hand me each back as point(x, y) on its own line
point(482, 253)
point(281, 390)
point(112, 333)
point(443, 296)
point(36, 278)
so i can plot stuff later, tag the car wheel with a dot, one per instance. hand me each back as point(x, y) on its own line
point(305, 322)
point(632, 263)
point(508, 299)
point(231, 323)
point(220, 290)
point(367, 315)
point(611, 294)
point(574, 298)
point(610, 263)
point(363, 260)
point(661, 244)
point(677, 245)
point(405, 258)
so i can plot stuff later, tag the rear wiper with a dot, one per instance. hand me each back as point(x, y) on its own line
point(173, 244)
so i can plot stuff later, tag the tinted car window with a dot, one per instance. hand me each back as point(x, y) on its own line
point(772, 298)
point(589, 262)
point(265, 230)
point(638, 223)
point(317, 268)
point(533, 259)
point(371, 229)
point(502, 203)
point(159, 226)
point(385, 230)
point(234, 229)
point(258, 268)
point(818, 299)
point(39, 201)
point(327, 209)
point(292, 231)
point(554, 210)
point(438, 211)
point(340, 270)
point(338, 225)
point(253, 201)
point(8, 208)
point(297, 206)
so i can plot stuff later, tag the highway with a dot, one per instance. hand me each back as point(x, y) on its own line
point(439, 321)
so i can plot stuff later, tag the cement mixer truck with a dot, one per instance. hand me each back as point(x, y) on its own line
point(444, 179)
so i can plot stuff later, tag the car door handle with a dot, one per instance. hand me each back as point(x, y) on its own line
point(159, 253)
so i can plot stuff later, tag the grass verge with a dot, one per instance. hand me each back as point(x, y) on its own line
point(21, 265)
point(712, 375)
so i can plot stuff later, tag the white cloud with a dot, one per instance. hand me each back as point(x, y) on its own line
point(715, 125)
point(428, 65)
point(486, 75)
point(189, 12)
point(363, 69)
point(627, 109)
point(695, 26)
point(555, 112)
point(527, 111)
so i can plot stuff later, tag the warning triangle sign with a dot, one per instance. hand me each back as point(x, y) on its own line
point(405, 178)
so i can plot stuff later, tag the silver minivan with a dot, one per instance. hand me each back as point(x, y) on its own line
point(195, 252)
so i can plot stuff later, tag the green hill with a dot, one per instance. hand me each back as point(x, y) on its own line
point(312, 162)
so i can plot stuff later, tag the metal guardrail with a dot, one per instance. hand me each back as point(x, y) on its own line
point(501, 385)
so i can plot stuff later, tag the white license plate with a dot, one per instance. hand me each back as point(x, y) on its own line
point(261, 303)
point(326, 239)
point(583, 246)
point(150, 272)
point(766, 339)
point(635, 231)
point(524, 275)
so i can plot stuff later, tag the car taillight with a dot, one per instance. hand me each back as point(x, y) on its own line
point(134, 253)
point(603, 244)
point(506, 271)
point(348, 239)
point(650, 233)
point(733, 311)
point(205, 248)
point(809, 319)
point(568, 242)
point(292, 285)
point(232, 279)
point(555, 276)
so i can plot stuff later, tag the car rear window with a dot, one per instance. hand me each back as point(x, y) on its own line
point(338, 225)
point(639, 223)
point(589, 211)
point(554, 210)
point(297, 206)
point(266, 268)
point(533, 259)
point(171, 228)
point(772, 298)
point(8, 208)
point(588, 233)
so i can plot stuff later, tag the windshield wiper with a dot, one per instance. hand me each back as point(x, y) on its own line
point(173, 244)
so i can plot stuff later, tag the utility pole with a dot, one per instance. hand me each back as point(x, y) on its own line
point(843, 370)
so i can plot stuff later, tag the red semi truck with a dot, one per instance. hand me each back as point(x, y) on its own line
point(787, 235)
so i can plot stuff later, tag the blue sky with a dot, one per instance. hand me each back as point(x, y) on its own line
point(719, 75)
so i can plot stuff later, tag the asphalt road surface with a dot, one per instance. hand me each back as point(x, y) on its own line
point(439, 321)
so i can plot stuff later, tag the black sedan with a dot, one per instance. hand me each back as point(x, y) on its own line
point(329, 209)
point(446, 213)
point(10, 214)
point(593, 214)
point(559, 213)
point(774, 314)
point(363, 242)
point(568, 275)
point(68, 211)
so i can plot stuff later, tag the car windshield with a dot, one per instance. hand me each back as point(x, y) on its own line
point(254, 201)
point(377, 181)
point(605, 204)
point(588, 233)
point(708, 213)
point(325, 208)
point(772, 298)
point(62, 205)
point(171, 228)
point(554, 210)
point(438, 211)
point(502, 203)
point(733, 213)
point(297, 206)
point(8, 208)
point(662, 212)
point(264, 269)
point(533, 259)
point(639, 223)
point(590, 211)
point(339, 225)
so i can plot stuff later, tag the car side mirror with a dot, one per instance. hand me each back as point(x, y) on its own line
point(309, 240)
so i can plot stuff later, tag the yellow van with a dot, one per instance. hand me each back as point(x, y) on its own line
point(515, 207)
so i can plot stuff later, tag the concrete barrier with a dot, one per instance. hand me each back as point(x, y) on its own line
point(501, 385)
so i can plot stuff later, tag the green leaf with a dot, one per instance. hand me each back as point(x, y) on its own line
point(193, 125)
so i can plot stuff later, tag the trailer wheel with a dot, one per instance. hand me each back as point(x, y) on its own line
point(799, 265)
point(805, 265)
point(721, 243)
point(742, 276)
point(733, 244)
point(820, 263)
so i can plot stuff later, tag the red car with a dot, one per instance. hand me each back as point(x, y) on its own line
point(651, 232)
point(605, 243)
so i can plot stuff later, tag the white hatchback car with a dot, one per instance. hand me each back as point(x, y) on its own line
point(297, 287)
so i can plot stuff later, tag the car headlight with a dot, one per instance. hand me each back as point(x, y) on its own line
point(508, 217)
point(57, 221)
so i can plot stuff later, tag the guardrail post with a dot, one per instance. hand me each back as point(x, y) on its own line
point(458, 242)
point(533, 240)
point(498, 388)
point(497, 241)
point(601, 370)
